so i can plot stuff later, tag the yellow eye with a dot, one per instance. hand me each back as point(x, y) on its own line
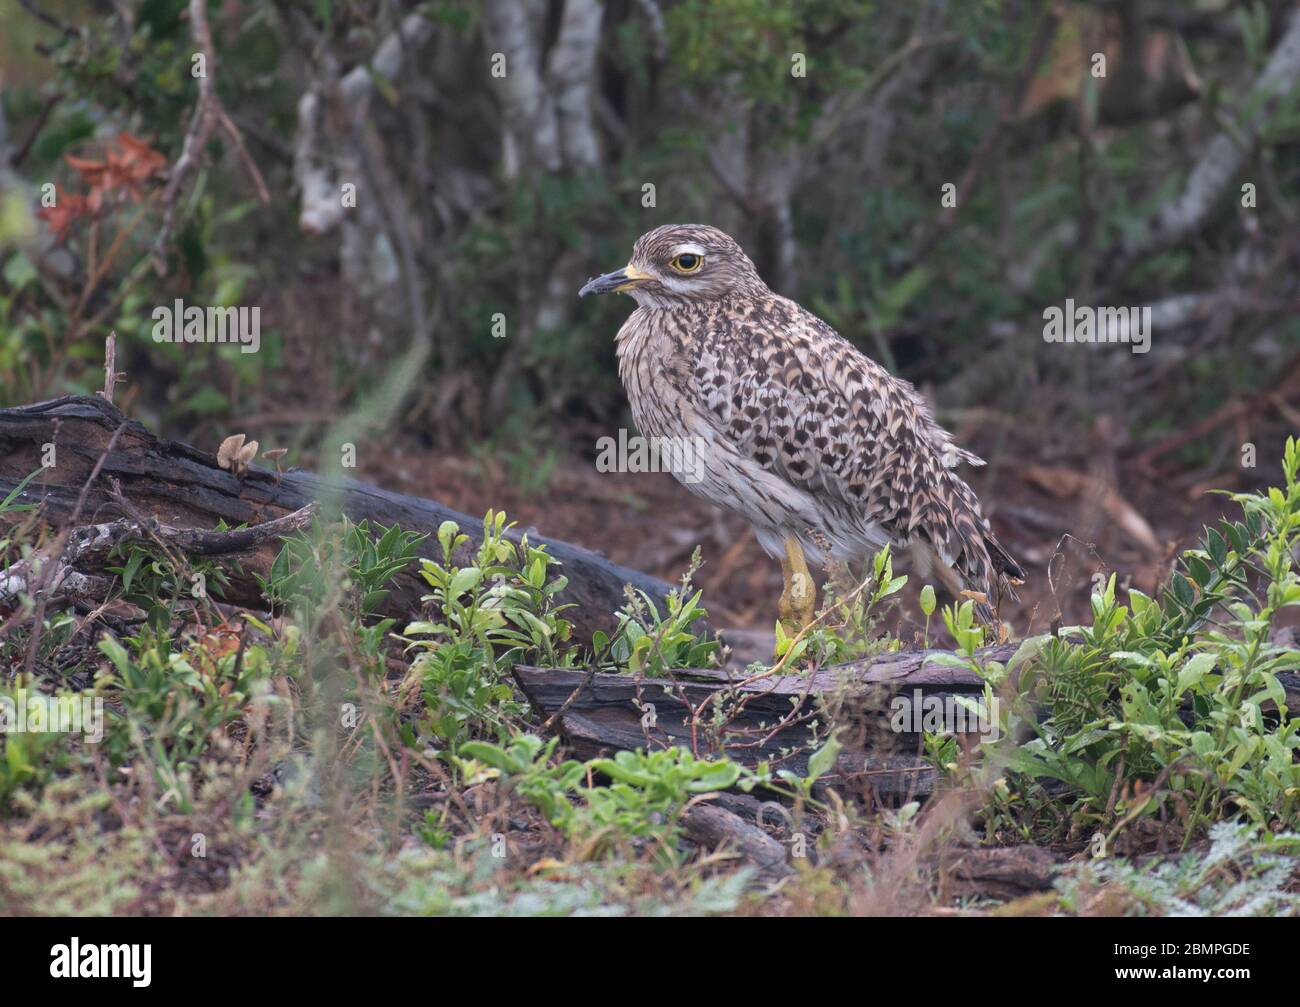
point(687, 262)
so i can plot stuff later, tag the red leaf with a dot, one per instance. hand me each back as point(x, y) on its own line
point(67, 209)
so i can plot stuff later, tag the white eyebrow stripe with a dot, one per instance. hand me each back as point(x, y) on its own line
point(689, 248)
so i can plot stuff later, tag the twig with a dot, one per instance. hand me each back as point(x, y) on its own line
point(554, 718)
point(90, 544)
point(196, 137)
point(208, 114)
point(47, 571)
point(1222, 157)
point(1011, 101)
point(47, 18)
point(1225, 413)
point(250, 165)
point(41, 119)
point(110, 366)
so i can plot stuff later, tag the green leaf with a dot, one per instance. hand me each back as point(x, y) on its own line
point(720, 777)
point(132, 568)
point(1216, 547)
point(1200, 573)
point(7, 504)
point(1193, 672)
point(447, 534)
point(465, 579)
point(823, 760)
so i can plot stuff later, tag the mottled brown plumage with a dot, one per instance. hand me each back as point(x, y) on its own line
point(800, 431)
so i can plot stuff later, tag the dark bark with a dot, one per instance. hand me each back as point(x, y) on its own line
point(713, 827)
point(766, 719)
point(1003, 873)
point(183, 487)
point(769, 719)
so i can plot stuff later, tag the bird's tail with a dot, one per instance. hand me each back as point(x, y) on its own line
point(978, 558)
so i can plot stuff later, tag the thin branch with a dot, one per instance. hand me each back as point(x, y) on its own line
point(208, 114)
point(110, 366)
point(39, 124)
point(41, 592)
point(1011, 100)
point(1224, 155)
point(49, 19)
point(61, 571)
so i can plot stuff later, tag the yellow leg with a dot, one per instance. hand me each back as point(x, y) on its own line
point(799, 594)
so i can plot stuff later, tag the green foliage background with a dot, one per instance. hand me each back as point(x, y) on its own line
point(831, 180)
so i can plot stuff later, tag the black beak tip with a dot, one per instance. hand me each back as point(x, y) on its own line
point(605, 284)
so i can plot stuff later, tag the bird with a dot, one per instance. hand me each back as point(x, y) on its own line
point(825, 452)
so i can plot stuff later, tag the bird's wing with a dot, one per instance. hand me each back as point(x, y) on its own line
point(788, 391)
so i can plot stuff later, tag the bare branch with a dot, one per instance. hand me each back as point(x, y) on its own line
point(1225, 154)
point(110, 366)
point(1012, 99)
point(208, 114)
point(62, 573)
point(45, 17)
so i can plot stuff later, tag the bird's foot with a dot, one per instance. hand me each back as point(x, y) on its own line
point(798, 605)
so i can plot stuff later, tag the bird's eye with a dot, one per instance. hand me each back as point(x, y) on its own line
point(687, 262)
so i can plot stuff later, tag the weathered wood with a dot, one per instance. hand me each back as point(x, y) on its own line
point(612, 712)
point(83, 551)
point(183, 487)
point(1003, 873)
point(712, 827)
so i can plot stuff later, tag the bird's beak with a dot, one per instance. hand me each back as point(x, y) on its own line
point(616, 282)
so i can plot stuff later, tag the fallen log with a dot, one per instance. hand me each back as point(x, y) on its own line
point(89, 547)
point(713, 827)
point(182, 487)
point(776, 718)
point(1009, 872)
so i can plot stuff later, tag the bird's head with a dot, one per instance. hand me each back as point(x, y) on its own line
point(680, 264)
